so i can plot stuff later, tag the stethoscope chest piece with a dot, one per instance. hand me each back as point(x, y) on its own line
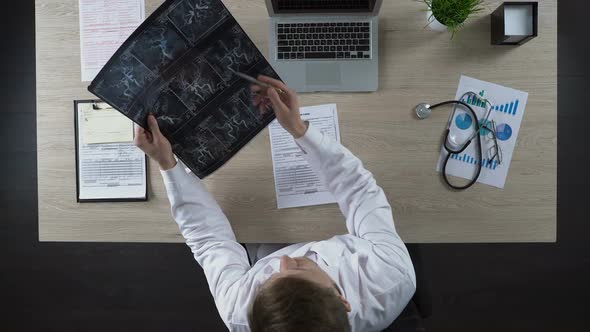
point(423, 111)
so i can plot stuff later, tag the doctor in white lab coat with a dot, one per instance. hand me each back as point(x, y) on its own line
point(359, 281)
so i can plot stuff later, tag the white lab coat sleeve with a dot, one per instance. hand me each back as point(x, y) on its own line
point(209, 235)
point(368, 215)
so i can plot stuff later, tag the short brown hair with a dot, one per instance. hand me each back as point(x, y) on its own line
point(294, 304)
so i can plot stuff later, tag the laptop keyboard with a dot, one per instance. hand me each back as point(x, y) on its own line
point(305, 41)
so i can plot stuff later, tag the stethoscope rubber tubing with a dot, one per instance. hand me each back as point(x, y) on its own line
point(450, 151)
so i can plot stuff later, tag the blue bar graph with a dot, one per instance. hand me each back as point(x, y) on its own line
point(508, 108)
point(475, 101)
point(489, 164)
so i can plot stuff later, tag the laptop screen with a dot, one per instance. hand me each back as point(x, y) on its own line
point(322, 6)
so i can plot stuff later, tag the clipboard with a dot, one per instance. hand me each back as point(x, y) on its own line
point(112, 170)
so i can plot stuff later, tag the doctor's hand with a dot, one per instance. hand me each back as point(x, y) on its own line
point(154, 144)
point(285, 105)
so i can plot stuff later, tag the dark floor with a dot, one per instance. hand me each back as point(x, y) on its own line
point(158, 287)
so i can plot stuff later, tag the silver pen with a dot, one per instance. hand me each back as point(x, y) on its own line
point(255, 81)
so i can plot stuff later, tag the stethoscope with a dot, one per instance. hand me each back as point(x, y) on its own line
point(451, 142)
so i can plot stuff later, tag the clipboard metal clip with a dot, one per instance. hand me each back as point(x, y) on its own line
point(101, 106)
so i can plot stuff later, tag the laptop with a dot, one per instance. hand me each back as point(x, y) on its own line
point(325, 45)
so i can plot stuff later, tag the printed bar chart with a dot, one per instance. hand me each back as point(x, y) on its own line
point(472, 100)
point(487, 163)
point(508, 108)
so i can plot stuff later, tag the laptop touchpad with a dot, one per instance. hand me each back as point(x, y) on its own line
point(322, 74)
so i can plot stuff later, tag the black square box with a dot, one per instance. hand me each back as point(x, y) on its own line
point(499, 35)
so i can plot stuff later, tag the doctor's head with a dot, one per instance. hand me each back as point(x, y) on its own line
point(301, 297)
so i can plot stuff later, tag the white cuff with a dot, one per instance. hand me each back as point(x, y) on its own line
point(311, 140)
point(174, 175)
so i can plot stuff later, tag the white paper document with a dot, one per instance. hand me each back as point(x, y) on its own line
point(108, 171)
point(106, 126)
point(104, 26)
point(507, 113)
point(296, 184)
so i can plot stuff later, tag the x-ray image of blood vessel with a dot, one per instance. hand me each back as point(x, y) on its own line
point(178, 66)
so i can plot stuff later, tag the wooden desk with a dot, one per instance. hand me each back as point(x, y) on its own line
point(416, 65)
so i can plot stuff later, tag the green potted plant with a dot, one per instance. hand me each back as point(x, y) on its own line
point(443, 15)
